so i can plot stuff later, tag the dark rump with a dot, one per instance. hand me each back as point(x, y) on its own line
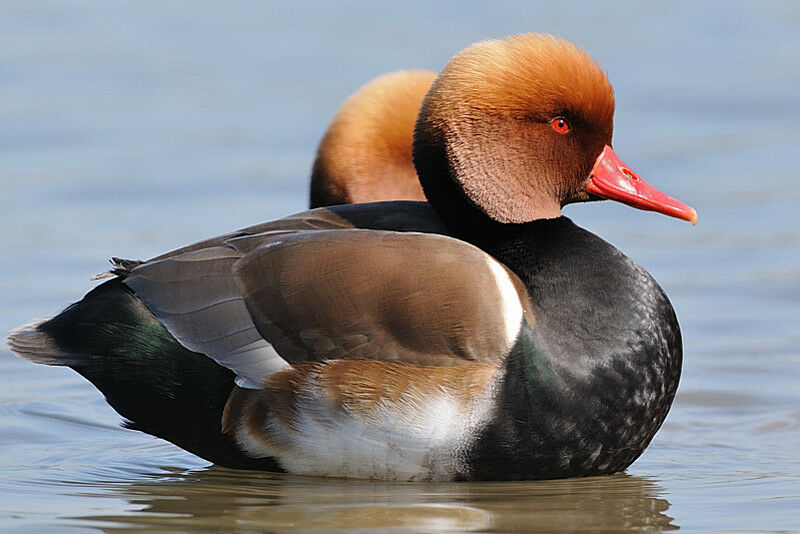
point(157, 385)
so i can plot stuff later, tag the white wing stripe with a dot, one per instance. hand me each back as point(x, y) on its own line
point(511, 305)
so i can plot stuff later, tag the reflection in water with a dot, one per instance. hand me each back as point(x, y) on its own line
point(224, 499)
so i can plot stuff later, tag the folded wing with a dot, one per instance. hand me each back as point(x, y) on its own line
point(312, 287)
point(419, 298)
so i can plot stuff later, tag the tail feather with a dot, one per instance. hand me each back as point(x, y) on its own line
point(150, 379)
point(32, 344)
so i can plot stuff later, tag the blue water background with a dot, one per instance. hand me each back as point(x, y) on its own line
point(133, 128)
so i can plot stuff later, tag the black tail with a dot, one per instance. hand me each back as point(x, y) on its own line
point(157, 385)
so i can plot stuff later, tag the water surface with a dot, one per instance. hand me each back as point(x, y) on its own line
point(133, 129)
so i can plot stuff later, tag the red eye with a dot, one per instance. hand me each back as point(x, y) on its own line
point(560, 125)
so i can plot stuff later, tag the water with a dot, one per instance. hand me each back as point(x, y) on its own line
point(132, 129)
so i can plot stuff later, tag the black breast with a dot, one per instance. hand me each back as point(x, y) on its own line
point(588, 385)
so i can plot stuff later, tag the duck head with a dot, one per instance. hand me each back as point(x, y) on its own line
point(365, 155)
point(514, 129)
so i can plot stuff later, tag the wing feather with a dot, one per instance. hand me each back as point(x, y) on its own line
point(313, 287)
point(419, 298)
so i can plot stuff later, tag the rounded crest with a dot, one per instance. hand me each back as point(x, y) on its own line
point(489, 114)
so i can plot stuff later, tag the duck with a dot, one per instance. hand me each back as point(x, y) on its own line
point(480, 335)
point(365, 154)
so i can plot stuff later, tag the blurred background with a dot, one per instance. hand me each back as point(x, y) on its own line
point(132, 128)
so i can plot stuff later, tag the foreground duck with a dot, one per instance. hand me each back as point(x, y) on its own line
point(481, 335)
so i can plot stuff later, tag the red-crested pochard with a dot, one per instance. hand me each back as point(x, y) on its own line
point(481, 335)
point(365, 155)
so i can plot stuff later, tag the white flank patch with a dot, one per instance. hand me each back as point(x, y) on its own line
point(511, 305)
point(412, 439)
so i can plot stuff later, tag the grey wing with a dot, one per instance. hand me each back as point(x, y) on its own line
point(311, 287)
point(196, 298)
point(193, 293)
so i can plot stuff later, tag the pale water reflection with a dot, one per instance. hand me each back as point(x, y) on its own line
point(222, 499)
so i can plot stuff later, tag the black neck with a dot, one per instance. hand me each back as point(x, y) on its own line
point(604, 355)
point(458, 212)
point(461, 216)
point(583, 289)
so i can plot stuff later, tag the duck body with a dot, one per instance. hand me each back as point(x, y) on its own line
point(582, 388)
point(479, 335)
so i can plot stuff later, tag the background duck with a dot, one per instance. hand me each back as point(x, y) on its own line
point(365, 154)
point(481, 336)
